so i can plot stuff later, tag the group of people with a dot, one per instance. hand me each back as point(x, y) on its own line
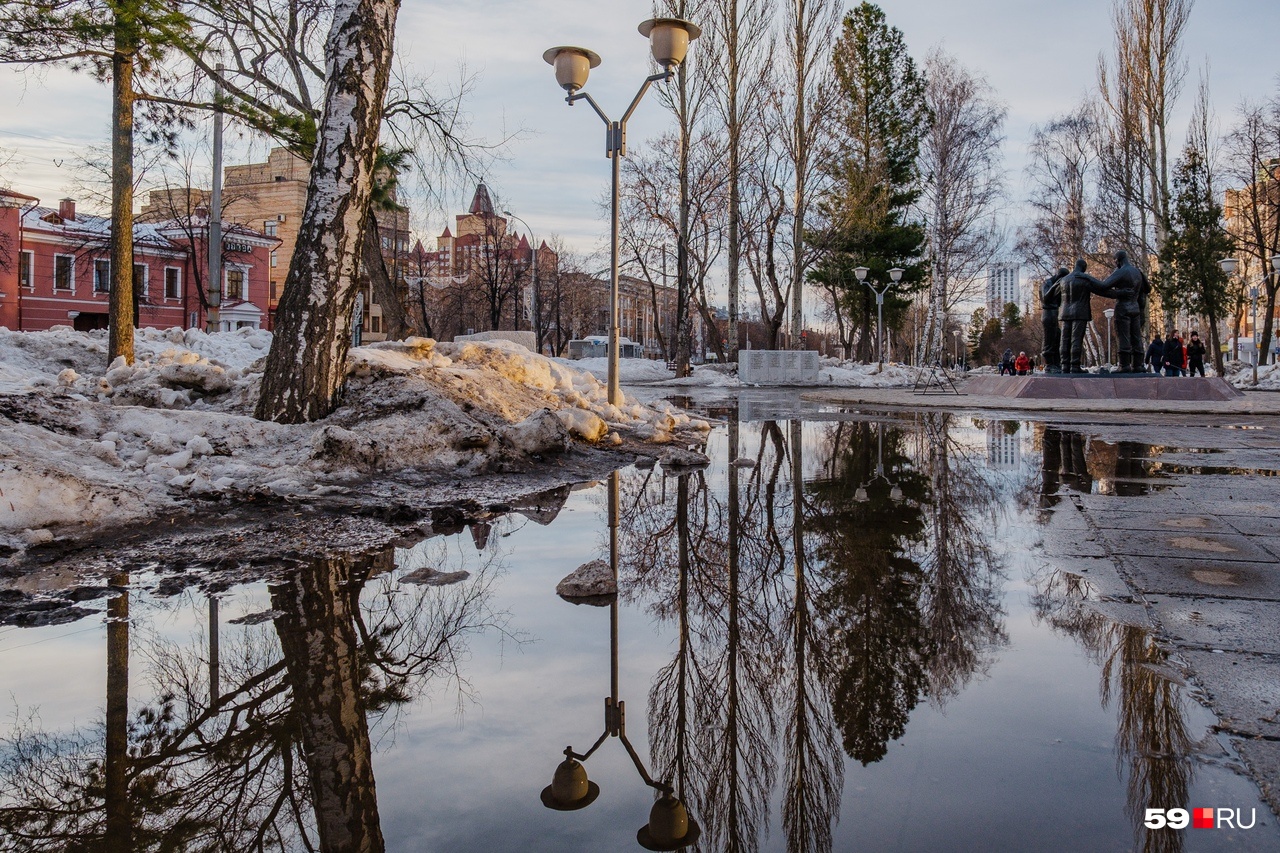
point(1020, 366)
point(1175, 358)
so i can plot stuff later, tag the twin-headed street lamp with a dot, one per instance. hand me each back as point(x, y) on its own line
point(1109, 313)
point(895, 276)
point(669, 42)
point(1229, 266)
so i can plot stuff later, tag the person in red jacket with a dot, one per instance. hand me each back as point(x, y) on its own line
point(1022, 364)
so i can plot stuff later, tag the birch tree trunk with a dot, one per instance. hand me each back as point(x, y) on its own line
point(306, 366)
point(122, 299)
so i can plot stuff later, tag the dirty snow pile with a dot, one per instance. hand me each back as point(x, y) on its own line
point(80, 445)
point(630, 370)
point(1240, 374)
point(853, 374)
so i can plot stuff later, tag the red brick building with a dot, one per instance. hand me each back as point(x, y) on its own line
point(55, 269)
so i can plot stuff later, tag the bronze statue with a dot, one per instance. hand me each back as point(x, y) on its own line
point(1129, 287)
point(1076, 290)
point(1050, 301)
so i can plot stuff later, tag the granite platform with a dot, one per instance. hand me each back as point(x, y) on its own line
point(1122, 386)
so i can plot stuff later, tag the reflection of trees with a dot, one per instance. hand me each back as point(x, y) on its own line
point(1153, 742)
point(280, 758)
point(876, 651)
point(963, 613)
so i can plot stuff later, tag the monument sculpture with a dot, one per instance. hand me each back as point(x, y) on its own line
point(1075, 290)
point(1050, 301)
point(1129, 287)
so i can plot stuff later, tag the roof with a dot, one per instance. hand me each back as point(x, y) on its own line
point(446, 232)
point(481, 203)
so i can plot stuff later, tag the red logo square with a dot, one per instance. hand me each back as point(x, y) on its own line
point(1202, 819)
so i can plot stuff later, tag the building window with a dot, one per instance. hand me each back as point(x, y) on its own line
point(64, 272)
point(26, 276)
point(274, 259)
point(270, 227)
point(235, 284)
point(139, 281)
point(101, 276)
point(386, 242)
point(376, 323)
point(275, 290)
point(172, 283)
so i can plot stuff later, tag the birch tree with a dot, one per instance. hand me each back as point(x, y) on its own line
point(960, 160)
point(307, 362)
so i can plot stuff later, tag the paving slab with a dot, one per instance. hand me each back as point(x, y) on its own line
point(1209, 577)
point(1165, 502)
point(1100, 573)
point(1186, 544)
point(1243, 689)
point(1161, 522)
point(1262, 757)
point(1254, 525)
point(1217, 623)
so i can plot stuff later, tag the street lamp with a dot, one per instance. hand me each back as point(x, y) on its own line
point(895, 275)
point(537, 318)
point(669, 42)
point(670, 826)
point(955, 333)
point(1109, 313)
point(1229, 266)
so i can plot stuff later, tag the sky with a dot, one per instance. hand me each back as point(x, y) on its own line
point(1039, 56)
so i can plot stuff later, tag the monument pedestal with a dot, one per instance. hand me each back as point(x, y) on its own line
point(1103, 386)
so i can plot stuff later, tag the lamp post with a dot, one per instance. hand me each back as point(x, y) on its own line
point(895, 276)
point(537, 317)
point(1229, 266)
point(669, 42)
point(955, 333)
point(670, 825)
point(1109, 313)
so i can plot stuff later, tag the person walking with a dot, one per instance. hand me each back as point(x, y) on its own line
point(1171, 355)
point(1155, 354)
point(1022, 364)
point(1006, 362)
point(1195, 355)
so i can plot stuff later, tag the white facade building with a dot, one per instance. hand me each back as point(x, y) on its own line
point(1004, 285)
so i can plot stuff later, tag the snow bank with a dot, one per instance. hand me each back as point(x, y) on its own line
point(1240, 374)
point(634, 370)
point(87, 445)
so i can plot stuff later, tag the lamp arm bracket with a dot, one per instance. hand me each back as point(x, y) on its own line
point(644, 773)
point(580, 96)
point(568, 750)
point(644, 87)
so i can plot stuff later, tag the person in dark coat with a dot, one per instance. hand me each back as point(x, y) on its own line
point(1171, 355)
point(1195, 355)
point(1155, 353)
point(1006, 363)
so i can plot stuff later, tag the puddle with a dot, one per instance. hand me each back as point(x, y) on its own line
point(854, 643)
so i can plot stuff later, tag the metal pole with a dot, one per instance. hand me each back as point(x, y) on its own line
point(1254, 300)
point(879, 326)
point(615, 139)
point(213, 287)
point(614, 507)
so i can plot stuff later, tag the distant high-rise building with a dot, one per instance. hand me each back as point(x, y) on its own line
point(1004, 285)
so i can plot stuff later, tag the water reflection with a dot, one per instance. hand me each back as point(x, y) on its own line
point(1153, 738)
point(823, 587)
point(813, 611)
point(262, 745)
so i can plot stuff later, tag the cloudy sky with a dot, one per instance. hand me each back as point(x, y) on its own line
point(1039, 56)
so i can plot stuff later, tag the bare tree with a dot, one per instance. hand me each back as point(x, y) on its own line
point(960, 159)
point(1251, 151)
point(1062, 160)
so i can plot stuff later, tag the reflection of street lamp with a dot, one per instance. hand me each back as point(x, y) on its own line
point(895, 491)
point(895, 275)
point(1109, 313)
point(670, 827)
point(1229, 266)
point(669, 42)
point(537, 318)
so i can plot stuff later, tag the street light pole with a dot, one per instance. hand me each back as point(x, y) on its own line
point(955, 333)
point(1109, 313)
point(669, 42)
point(895, 275)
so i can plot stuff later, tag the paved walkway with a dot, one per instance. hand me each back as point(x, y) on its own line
point(1190, 552)
point(1266, 403)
